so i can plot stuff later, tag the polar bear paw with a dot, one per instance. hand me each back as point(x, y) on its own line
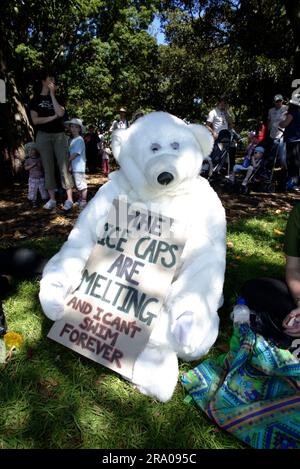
point(53, 292)
point(192, 337)
point(156, 372)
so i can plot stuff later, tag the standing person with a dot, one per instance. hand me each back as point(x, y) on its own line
point(105, 159)
point(36, 180)
point(47, 116)
point(275, 116)
point(291, 137)
point(121, 122)
point(77, 159)
point(261, 131)
point(218, 118)
point(92, 140)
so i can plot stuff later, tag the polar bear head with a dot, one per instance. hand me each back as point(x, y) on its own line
point(160, 152)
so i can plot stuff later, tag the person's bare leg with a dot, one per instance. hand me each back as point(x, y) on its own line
point(52, 194)
point(69, 195)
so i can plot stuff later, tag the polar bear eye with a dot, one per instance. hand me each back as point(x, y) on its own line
point(175, 145)
point(155, 147)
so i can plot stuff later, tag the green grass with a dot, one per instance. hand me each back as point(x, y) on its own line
point(51, 397)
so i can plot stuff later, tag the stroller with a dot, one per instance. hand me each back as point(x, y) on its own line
point(217, 165)
point(261, 179)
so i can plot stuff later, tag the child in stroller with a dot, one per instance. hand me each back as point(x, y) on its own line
point(254, 167)
point(218, 163)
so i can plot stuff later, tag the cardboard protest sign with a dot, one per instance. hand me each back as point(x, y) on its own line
point(111, 314)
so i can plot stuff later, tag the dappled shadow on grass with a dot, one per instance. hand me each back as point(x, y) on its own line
point(60, 405)
point(51, 397)
point(19, 222)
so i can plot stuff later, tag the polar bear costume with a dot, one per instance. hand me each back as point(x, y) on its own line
point(160, 157)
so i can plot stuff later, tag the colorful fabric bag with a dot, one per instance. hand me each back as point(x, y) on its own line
point(253, 391)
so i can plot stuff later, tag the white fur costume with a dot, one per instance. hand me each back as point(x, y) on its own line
point(157, 144)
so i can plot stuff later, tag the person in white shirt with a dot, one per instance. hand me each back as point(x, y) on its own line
point(120, 123)
point(218, 118)
point(77, 159)
point(275, 115)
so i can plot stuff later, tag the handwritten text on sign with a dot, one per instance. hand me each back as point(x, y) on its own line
point(110, 316)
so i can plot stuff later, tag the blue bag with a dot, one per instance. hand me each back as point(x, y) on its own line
point(246, 162)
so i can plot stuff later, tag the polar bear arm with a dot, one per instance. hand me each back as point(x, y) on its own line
point(74, 253)
point(63, 272)
point(196, 295)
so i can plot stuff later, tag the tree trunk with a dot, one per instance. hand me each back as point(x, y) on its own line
point(15, 128)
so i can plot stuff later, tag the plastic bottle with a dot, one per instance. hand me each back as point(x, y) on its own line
point(240, 312)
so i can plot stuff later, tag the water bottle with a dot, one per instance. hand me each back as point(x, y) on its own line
point(240, 312)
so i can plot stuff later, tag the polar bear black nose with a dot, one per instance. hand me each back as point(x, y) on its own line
point(165, 178)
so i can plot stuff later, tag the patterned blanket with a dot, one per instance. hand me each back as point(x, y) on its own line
point(253, 391)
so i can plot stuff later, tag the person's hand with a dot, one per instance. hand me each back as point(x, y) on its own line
point(52, 87)
point(291, 323)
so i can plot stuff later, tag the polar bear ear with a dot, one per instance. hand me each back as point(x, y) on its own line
point(117, 139)
point(203, 137)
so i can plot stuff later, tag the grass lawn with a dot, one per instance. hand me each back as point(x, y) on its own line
point(52, 397)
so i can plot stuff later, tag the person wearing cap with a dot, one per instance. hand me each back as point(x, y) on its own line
point(47, 114)
point(249, 164)
point(77, 159)
point(36, 180)
point(121, 122)
point(275, 116)
point(291, 137)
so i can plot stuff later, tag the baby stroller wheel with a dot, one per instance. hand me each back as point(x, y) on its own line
point(244, 190)
point(271, 188)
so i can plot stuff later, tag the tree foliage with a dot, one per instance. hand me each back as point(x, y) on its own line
point(105, 56)
point(243, 49)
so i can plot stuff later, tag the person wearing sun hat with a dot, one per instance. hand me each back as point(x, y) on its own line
point(291, 137)
point(77, 160)
point(121, 122)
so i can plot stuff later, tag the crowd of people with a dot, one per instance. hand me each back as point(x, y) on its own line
point(63, 151)
point(275, 302)
point(275, 143)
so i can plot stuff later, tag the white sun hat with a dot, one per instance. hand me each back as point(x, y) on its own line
point(75, 121)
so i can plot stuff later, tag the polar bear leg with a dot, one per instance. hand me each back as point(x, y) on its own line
point(156, 372)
